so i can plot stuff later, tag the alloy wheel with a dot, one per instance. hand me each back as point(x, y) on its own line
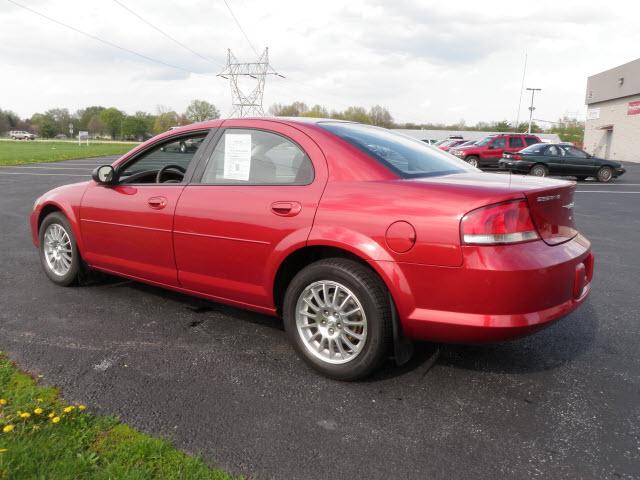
point(57, 249)
point(331, 322)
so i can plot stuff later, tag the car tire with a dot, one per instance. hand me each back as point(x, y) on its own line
point(58, 250)
point(605, 174)
point(473, 161)
point(337, 314)
point(539, 170)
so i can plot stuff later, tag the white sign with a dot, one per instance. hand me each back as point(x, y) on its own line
point(83, 136)
point(237, 156)
point(593, 114)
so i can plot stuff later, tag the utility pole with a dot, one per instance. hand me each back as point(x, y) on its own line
point(250, 104)
point(524, 73)
point(532, 108)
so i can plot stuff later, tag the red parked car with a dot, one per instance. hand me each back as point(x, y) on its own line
point(445, 147)
point(358, 237)
point(486, 153)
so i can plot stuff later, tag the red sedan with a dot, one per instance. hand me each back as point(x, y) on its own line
point(358, 237)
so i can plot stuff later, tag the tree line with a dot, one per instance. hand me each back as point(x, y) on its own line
point(109, 122)
point(115, 124)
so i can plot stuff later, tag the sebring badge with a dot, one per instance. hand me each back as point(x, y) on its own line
point(548, 198)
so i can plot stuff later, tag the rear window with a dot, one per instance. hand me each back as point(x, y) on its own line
point(403, 155)
point(537, 148)
point(531, 140)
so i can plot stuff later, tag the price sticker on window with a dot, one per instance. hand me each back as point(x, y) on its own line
point(237, 156)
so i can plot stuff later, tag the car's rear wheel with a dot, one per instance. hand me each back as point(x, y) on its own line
point(605, 174)
point(539, 171)
point(338, 317)
point(473, 161)
point(58, 250)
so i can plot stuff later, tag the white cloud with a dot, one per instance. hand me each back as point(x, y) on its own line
point(424, 60)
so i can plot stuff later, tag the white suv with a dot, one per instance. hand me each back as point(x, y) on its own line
point(21, 135)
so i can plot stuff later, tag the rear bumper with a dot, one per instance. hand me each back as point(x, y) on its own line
point(500, 292)
point(519, 166)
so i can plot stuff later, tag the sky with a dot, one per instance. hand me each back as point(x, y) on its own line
point(426, 61)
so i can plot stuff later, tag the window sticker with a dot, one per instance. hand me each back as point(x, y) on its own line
point(237, 156)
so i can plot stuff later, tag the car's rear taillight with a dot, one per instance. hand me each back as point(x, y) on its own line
point(516, 157)
point(508, 222)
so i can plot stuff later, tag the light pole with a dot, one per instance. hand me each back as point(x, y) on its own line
point(532, 108)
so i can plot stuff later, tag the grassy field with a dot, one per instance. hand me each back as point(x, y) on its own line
point(42, 437)
point(16, 152)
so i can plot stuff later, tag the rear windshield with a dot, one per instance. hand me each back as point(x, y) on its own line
point(407, 157)
point(536, 148)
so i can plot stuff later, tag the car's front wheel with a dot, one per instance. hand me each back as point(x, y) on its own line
point(605, 175)
point(473, 161)
point(58, 250)
point(338, 316)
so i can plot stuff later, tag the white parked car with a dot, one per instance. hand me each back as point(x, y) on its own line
point(21, 135)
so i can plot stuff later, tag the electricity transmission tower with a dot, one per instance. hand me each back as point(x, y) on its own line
point(246, 105)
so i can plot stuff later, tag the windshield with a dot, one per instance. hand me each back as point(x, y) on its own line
point(536, 148)
point(403, 155)
point(484, 141)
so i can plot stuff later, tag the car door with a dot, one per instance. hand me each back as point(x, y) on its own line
point(126, 227)
point(578, 162)
point(254, 198)
point(495, 150)
point(554, 159)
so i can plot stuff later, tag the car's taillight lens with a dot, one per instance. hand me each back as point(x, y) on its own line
point(508, 222)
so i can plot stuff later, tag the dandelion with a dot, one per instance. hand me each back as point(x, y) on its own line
point(25, 415)
point(39, 400)
point(52, 414)
point(3, 401)
point(38, 411)
point(2, 450)
point(55, 419)
point(68, 409)
point(82, 407)
point(8, 428)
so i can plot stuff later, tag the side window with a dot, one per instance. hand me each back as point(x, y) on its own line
point(177, 153)
point(554, 151)
point(499, 142)
point(531, 140)
point(516, 142)
point(575, 152)
point(256, 157)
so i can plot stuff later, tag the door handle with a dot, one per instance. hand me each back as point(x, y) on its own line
point(157, 202)
point(286, 209)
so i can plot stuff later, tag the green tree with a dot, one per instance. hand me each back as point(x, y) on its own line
point(356, 114)
point(296, 109)
point(380, 116)
point(95, 126)
point(201, 110)
point(112, 119)
point(317, 111)
point(165, 120)
point(85, 115)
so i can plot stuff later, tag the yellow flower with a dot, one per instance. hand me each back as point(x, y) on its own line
point(82, 407)
point(3, 401)
point(25, 415)
point(52, 414)
point(8, 428)
point(39, 400)
point(68, 409)
point(38, 411)
point(2, 450)
point(55, 419)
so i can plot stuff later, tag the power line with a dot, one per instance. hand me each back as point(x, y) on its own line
point(159, 30)
point(241, 29)
point(102, 40)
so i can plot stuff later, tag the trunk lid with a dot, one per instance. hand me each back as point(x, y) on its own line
point(552, 213)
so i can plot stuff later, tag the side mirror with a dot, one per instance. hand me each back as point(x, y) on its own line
point(104, 174)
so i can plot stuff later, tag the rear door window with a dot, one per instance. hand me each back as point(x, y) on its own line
point(516, 142)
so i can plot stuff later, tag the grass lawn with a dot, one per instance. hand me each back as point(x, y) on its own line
point(16, 152)
point(42, 437)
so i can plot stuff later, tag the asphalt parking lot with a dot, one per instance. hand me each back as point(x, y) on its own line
point(224, 383)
